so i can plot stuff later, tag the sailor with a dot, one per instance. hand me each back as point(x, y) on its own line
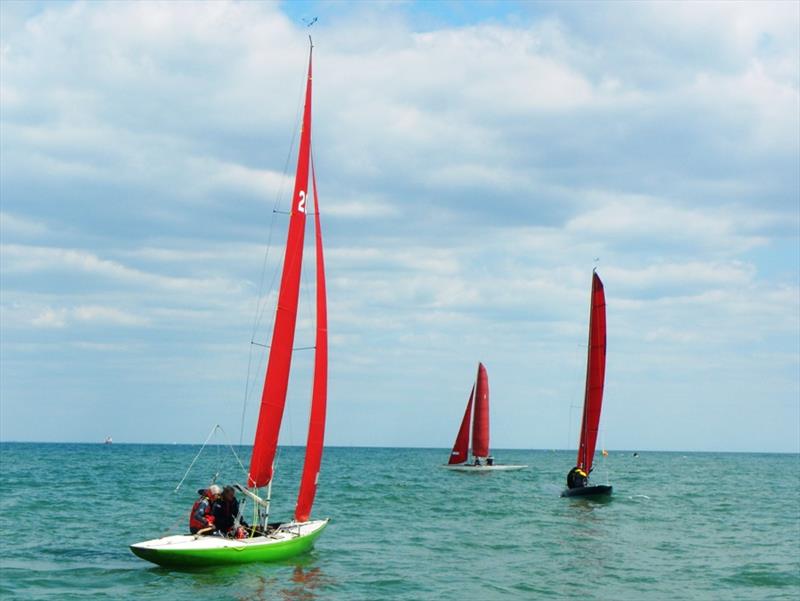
point(201, 518)
point(226, 511)
point(577, 478)
point(490, 460)
point(477, 462)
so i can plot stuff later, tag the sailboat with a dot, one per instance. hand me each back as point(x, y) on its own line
point(265, 541)
point(578, 477)
point(482, 460)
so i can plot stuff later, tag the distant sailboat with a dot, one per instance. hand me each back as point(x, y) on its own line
point(108, 440)
point(578, 477)
point(275, 541)
point(482, 461)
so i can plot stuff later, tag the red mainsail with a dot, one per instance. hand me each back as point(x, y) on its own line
point(273, 398)
point(480, 424)
point(461, 447)
point(319, 393)
point(595, 376)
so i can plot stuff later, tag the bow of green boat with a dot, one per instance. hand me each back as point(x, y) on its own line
point(190, 550)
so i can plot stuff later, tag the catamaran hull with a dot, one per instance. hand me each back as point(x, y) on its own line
point(188, 550)
point(475, 469)
point(588, 491)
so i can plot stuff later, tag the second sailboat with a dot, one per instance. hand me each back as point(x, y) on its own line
point(482, 460)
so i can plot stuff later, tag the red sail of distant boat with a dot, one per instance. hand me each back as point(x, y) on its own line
point(480, 424)
point(273, 398)
point(316, 422)
point(461, 447)
point(595, 376)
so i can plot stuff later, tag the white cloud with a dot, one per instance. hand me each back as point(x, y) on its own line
point(50, 319)
point(365, 208)
point(622, 219)
point(13, 225)
point(471, 175)
point(63, 317)
point(27, 259)
point(107, 315)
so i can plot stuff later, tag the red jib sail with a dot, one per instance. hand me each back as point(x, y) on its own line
point(461, 447)
point(480, 425)
point(273, 398)
point(595, 376)
point(319, 393)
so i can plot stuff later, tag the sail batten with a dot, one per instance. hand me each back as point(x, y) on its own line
point(461, 446)
point(595, 376)
point(480, 424)
point(316, 422)
point(276, 380)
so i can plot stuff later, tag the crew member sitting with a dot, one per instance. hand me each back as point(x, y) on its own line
point(577, 478)
point(226, 511)
point(201, 518)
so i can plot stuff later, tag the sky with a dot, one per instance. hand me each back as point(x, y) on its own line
point(475, 162)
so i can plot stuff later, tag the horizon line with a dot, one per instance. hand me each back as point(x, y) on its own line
point(339, 446)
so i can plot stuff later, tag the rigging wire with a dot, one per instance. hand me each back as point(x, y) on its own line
point(573, 402)
point(603, 454)
point(230, 446)
point(196, 457)
point(261, 304)
point(214, 430)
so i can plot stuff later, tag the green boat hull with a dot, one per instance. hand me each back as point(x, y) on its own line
point(235, 552)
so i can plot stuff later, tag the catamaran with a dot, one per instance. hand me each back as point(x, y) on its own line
point(266, 541)
point(578, 476)
point(482, 460)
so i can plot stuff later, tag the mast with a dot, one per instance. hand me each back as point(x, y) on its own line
point(319, 393)
point(480, 425)
point(461, 446)
point(276, 380)
point(595, 376)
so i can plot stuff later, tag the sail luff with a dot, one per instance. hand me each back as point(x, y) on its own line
point(461, 446)
point(480, 424)
point(595, 376)
point(316, 422)
point(276, 380)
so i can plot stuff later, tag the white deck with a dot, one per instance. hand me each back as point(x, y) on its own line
point(179, 542)
point(466, 467)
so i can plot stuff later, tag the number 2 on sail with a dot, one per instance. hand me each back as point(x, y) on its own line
point(301, 205)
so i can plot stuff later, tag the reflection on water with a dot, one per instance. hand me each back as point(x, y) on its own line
point(588, 542)
point(305, 581)
point(301, 585)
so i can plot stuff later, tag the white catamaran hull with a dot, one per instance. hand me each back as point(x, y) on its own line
point(484, 468)
point(191, 550)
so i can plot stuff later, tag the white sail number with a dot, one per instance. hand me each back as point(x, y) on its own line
point(301, 205)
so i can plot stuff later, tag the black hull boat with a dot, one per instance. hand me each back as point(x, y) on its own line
point(578, 477)
point(588, 491)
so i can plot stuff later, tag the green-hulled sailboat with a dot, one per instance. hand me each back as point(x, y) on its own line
point(274, 541)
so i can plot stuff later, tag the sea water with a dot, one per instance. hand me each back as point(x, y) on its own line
point(678, 526)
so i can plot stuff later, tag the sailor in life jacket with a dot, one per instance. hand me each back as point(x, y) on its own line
point(202, 517)
point(577, 478)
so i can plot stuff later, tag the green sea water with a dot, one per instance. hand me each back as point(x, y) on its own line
point(679, 526)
